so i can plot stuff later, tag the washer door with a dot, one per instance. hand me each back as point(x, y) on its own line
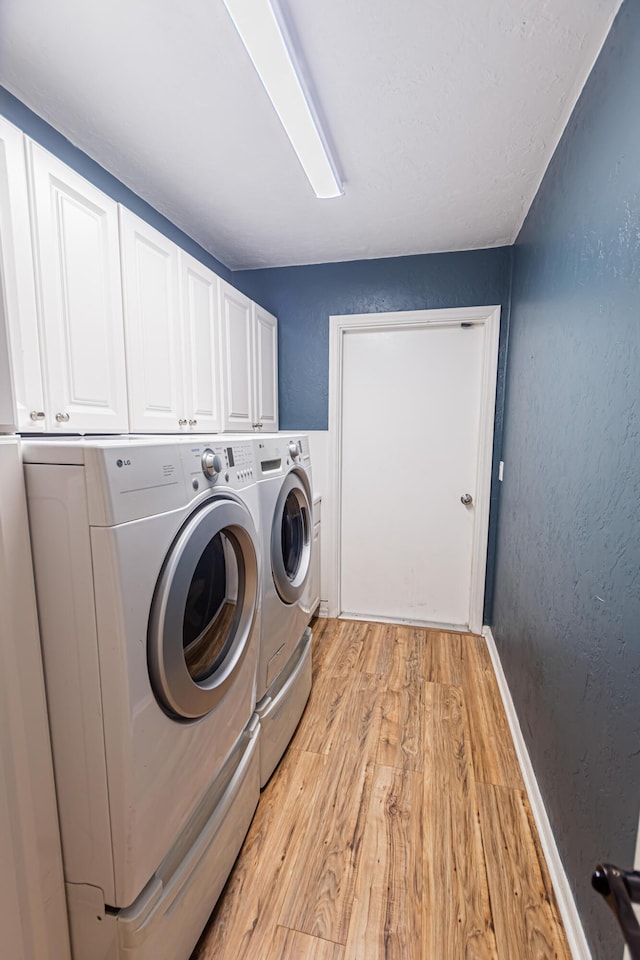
point(291, 539)
point(204, 608)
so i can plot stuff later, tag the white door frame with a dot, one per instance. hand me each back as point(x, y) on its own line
point(411, 319)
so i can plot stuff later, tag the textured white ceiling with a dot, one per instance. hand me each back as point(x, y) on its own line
point(443, 114)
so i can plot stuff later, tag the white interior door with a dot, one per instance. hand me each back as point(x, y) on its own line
point(411, 420)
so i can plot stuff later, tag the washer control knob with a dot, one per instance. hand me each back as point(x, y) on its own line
point(211, 464)
point(294, 451)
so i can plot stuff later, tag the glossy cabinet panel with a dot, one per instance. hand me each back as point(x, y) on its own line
point(76, 245)
point(152, 325)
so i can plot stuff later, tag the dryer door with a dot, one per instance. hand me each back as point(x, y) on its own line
point(204, 609)
point(291, 539)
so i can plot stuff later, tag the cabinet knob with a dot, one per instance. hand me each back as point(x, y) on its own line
point(193, 423)
point(37, 415)
point(62, 417)
point(182, 423)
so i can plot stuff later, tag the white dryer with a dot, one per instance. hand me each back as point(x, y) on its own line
point(283, 466)
point(147, 566)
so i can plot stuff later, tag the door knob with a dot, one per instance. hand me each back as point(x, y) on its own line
point(466, 498)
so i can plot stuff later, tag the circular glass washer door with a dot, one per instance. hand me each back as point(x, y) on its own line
point(291, 539)
point(204, 609)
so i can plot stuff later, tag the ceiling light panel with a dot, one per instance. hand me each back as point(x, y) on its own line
point(262, 33)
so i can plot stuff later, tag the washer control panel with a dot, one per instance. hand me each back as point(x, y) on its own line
point(216, 461)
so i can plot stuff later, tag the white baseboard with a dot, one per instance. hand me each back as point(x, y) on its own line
point(323, 610)
point(564, 895)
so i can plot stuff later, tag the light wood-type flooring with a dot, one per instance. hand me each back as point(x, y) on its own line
point(397, 824)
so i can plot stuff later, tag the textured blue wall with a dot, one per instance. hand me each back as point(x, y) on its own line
point(567, 589)
point(303, 299)
point(44, 134)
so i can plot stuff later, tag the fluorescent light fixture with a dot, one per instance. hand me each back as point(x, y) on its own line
point(263, 34)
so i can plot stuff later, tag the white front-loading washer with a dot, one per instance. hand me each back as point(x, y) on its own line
point(147, 565)
point(283, 465)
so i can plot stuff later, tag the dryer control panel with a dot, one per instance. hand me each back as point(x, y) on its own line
point(278, 454)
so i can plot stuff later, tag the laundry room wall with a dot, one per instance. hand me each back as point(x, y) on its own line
point(567, 590)
point(303, 298)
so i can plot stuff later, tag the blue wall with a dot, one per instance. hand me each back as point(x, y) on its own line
point(567, 590)
point(44, 134)
point(303, 299)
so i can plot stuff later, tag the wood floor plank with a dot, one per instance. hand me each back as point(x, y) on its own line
point(386, 918)
point(408, 658)
point(442, 656)
point(247, 912)
point(320, 889)
point(417, 655)
point(378, 640)
point(527, 922)
point(345, 653)
point(293, 945)
point(319, 724)
point(324, 632)
point(456, 910)
point(401, 744)
point(494, 756)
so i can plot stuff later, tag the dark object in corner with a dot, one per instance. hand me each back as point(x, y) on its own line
point(621, 888)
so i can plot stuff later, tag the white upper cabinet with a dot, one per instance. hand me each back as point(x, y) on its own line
point(150, 274)
point(250, 358)
point(201, 345)
point(76, 246)
point(172, 333)
point(21, 394)
point(266, 369)
point(80, 279)
point(236, 317)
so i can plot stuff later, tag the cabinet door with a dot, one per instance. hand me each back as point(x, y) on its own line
point(80, 299)
point(201, 345)
point(265, 368)
point(152, 327)
point(237, 349)
point(22, 407)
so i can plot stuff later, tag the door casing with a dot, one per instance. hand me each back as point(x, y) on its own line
point(341, 325)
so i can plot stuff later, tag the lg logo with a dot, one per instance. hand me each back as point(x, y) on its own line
point(123, 463)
